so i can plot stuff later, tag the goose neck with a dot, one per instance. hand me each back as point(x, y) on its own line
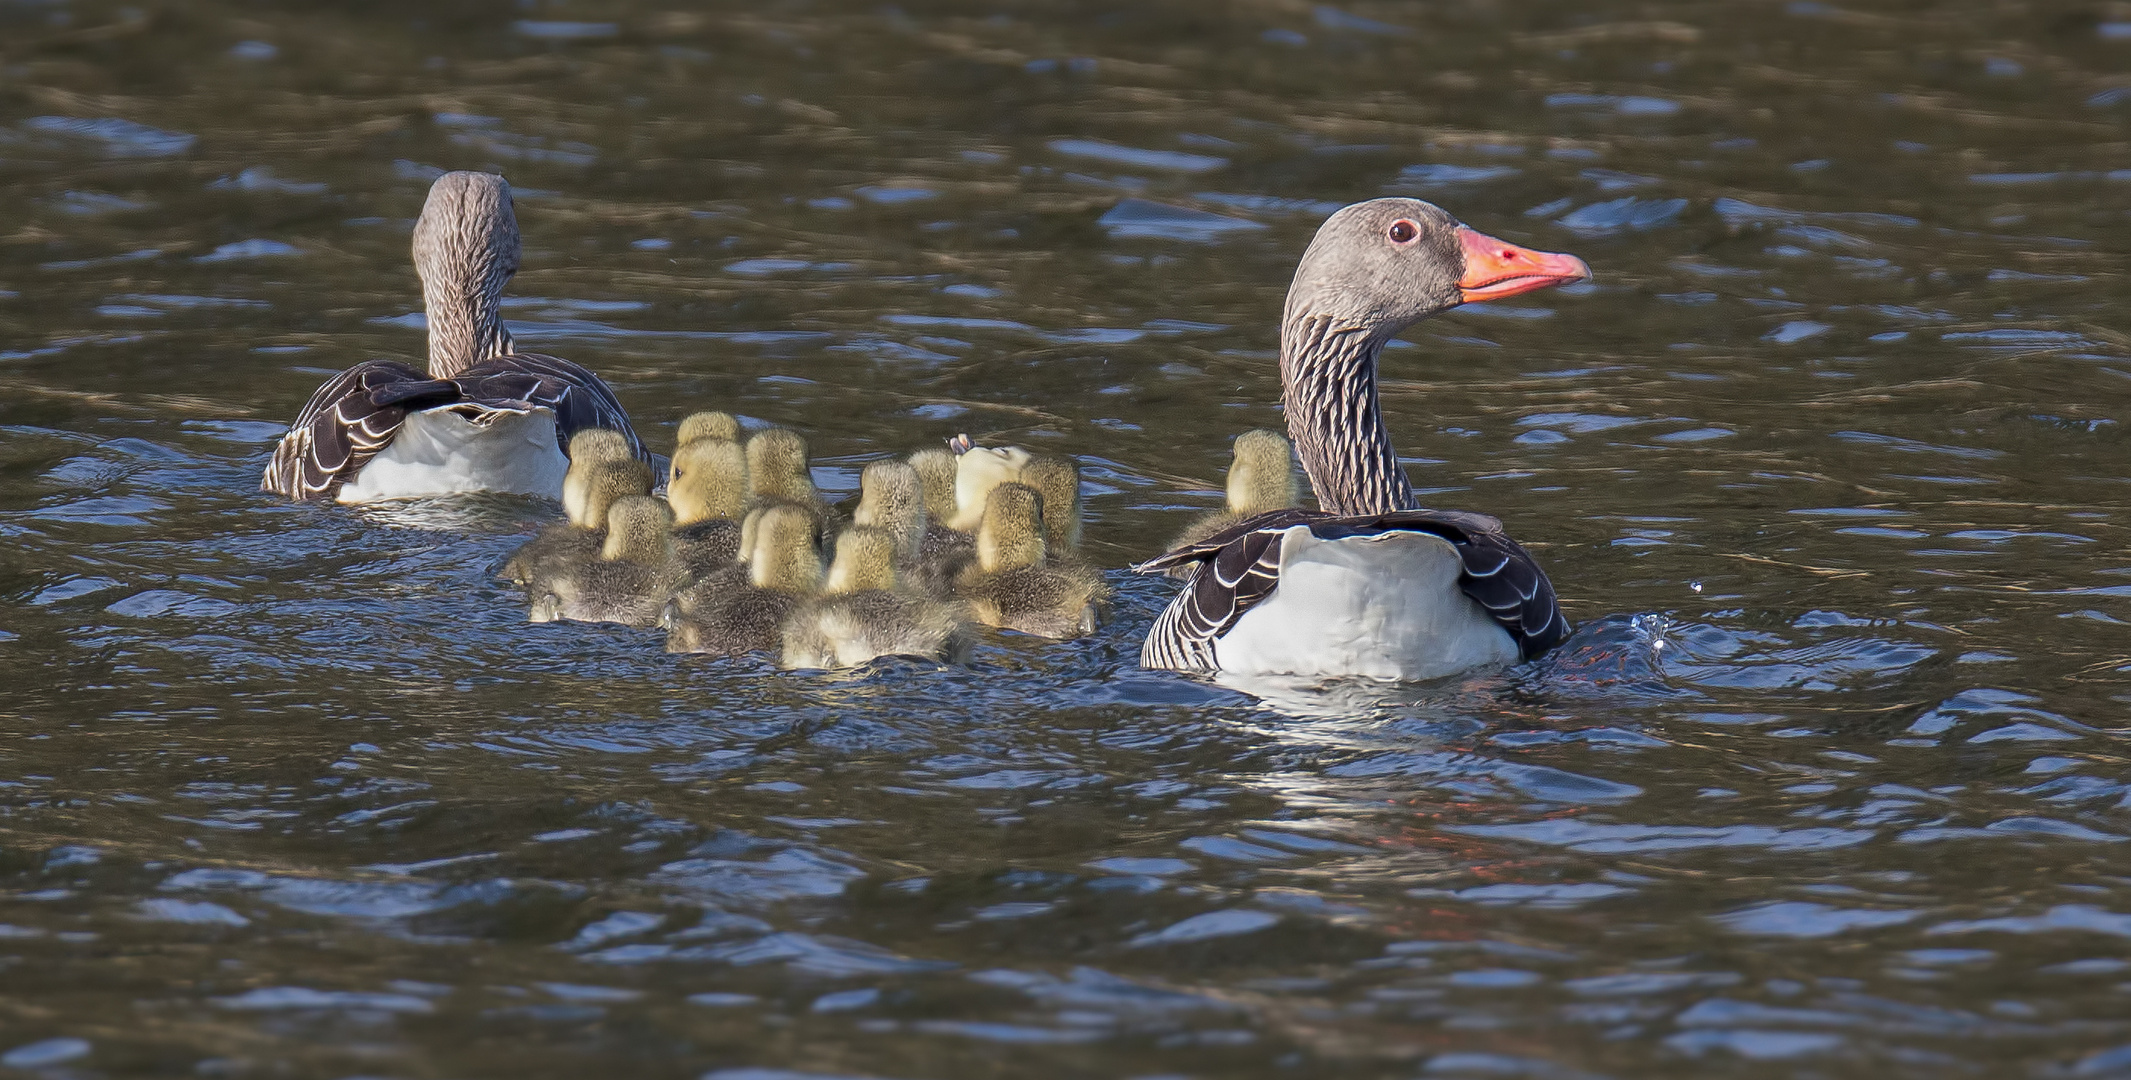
point(1335, 416)
point(465, 324)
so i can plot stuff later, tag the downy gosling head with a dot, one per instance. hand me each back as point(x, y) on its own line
point(892, 499)
point(978, 470)
point(1262, 476)
point(1057, 479)
point(717, 426)
point(588, 448)
point(708, 481)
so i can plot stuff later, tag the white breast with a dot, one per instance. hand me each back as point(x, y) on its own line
point(440, 451)
point(1386, 606)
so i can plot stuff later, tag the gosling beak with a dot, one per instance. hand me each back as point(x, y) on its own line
point(1497, 268)
point(961, 444)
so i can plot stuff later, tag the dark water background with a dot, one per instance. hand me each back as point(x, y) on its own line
point(1828, 464)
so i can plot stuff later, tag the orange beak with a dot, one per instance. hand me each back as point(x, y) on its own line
point(1497, 268)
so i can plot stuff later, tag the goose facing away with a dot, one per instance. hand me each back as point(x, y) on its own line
point(734, 613)
point(627, 581)
point(1014, 586)
point(1261, 479)
point(590, 491)
point(862, 615)
point(1372, 584)
point(484, 417)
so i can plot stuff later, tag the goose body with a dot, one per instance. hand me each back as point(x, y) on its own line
point(1373, 584)
point(484, 417)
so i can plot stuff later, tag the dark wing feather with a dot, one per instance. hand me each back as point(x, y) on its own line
point(1240, 566)
point(346, 422)
point(578, 398)
point(357, 412)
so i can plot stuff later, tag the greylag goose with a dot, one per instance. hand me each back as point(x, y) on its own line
point(1372, 584)
point(861, 614)
point(1261, 479)
point(627, 581)
point(485, 417)
point(593, 486)
point(733, 614)
point(1013, 586)
point(707, 487)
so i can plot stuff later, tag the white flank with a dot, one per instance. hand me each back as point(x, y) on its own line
point(1386, 606)
point(441, 452)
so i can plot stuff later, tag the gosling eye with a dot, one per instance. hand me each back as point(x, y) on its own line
point(1403, 232)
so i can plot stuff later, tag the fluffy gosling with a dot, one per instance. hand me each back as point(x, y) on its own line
point(626, 581)
point(729, 615)
point(861, 614)
point(1012, 585)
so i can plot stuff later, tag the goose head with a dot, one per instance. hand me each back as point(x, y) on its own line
point(1374, 269)
point(936, 473)
point(606, 482)
point(589, 448)
point(1011, 535)
point(1385, 264)
point(1057, 479)
point(1262, 477)
point(777, 466)
point(639, 530)
point(780, 550)
point(708, 425)
point(891, 498)
point(466, 250)
point(865, 559)
point(708, 480)
point(979, 469)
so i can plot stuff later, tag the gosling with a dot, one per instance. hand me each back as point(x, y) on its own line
point(777, 475)
point(707, 488)
point(716, 426)
point(598, 484)
point(1013, 586)
point(1261, 478)
point(587, 448)
point(861, 614)
point(729, 615)
point(626, 582)
point(1057, 479)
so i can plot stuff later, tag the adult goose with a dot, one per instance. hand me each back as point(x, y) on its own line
point(485, 417)
point(1372, 584)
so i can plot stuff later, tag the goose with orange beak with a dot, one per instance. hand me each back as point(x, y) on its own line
point(1371, 583)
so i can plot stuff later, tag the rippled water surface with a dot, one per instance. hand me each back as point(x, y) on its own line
point(1828, 464)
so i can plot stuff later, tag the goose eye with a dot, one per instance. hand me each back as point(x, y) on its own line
point(1403, 231)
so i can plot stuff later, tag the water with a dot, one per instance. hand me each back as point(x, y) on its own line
point(1827, 464)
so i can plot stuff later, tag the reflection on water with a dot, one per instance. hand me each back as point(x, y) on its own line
point(1826, 462)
